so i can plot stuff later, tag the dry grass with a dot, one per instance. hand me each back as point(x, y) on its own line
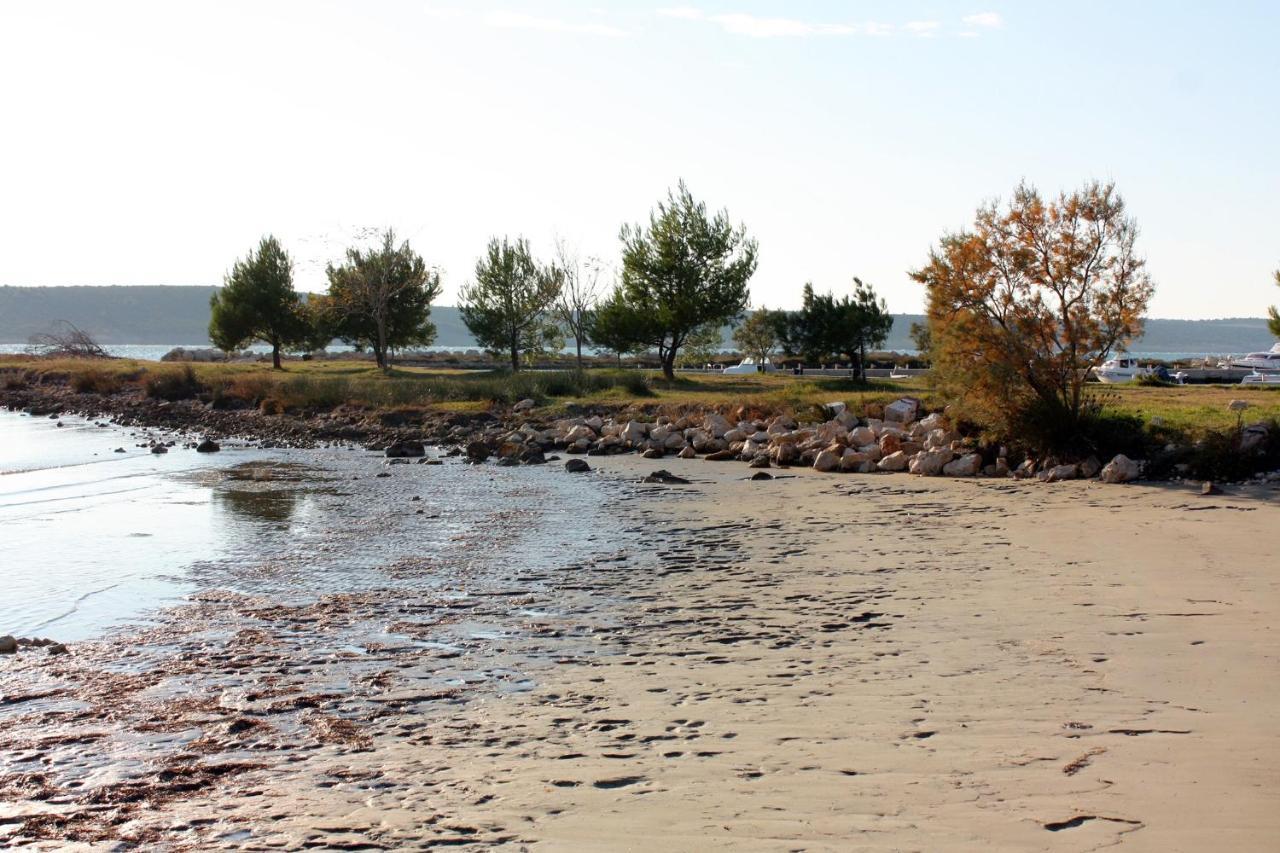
point(1191, 409)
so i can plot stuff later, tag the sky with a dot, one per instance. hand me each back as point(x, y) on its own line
point(153, 143)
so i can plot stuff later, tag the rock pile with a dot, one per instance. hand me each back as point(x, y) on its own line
point(905, 439)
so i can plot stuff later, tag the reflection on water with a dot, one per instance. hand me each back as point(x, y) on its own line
point(268, 491)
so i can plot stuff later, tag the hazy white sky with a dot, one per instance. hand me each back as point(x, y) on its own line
point(152, 143)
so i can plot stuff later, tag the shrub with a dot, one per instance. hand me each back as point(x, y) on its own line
point(94, 381)
point(179, 384)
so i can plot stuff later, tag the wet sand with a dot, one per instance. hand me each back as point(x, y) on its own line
point(808, 663)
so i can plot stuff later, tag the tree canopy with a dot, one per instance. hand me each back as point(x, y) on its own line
point(579, 293)
point(680, 273)
point(756, 336)
point(827, 327)
point(258, 303)
point(380, 298)
point(508, 307)
point(1024, 305)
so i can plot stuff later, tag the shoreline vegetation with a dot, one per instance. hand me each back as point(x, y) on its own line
point(1206, 432)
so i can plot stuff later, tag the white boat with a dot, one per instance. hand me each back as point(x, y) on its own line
point(1258, 378)
point(1260, 362)
point(1115, 371)
point(749, 365)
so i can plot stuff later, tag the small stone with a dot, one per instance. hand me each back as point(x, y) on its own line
point(158, 449)
point(524, 405)
point(577, 466)
point(687, 453)
point(56, 649)
point(653, 453)
point(761, 460)
point(762, 475)
point(720, 456)
point(8, 645)
point(1209, 488)
point(208, 446)
point(666, 478)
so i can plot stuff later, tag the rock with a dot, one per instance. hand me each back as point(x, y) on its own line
point(524, 405)
point(932, 422)
point(716, 424)
point(761, 460)
point(966, 466)
point(580, 432)
point(896, 461)
point(633, 433)
point(577, 466)
point(762, 475)
point(403, 450)
point(1238, 405)
point(687, 453)
point(835, 409)
point(1121, 469)
point(827, 460)
point(8, 645)
point(1253, 437)
point(666, 478)
point(119, 450)
point(1059, 473)
point(477, 451)
point(930, 462)
point(1089, 468)
point(861, 436)
point(532, 456)
point(735, 434)
point(208, 446)
point(653, 453)
point(720, 456)
point(158, 449)
point(56, 649)
point(890, 443)
point(902, 411)
point(1209, 489)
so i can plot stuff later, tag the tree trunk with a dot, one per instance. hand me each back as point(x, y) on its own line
point(515, 356)
point(669, 364)
point(862, 363)
point(275, 355)
point(579, 343)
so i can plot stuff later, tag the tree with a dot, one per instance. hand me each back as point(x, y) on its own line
point(257, 302)
point(861, 322)
point(756, 337)
point(508, 306)
point(922, 338)
point(1273, 323)
point(702, 345)
point(830, 327)
point(380, 298)
point(682, 272)
point(579, 293)
point(1027, 303)
point(615, 327)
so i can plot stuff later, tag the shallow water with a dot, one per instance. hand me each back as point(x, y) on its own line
point(91, 538)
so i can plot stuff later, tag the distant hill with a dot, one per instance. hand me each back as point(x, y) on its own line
point(180, 315)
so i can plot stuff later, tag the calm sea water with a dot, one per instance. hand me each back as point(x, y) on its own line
point(91, 538)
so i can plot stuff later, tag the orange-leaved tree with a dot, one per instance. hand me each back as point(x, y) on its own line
point(1023, 306)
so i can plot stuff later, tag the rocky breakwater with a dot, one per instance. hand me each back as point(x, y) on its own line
point(899, 437)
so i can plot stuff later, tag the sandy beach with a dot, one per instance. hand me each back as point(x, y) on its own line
point(805, 663)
